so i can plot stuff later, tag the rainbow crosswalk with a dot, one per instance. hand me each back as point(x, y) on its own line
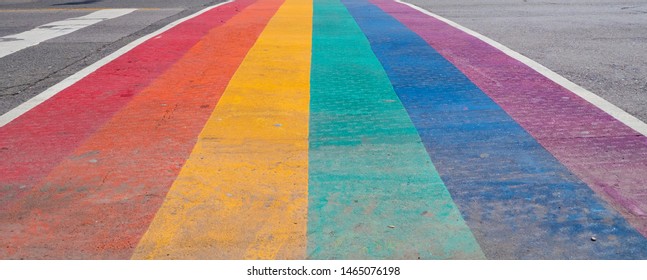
point(325, 129)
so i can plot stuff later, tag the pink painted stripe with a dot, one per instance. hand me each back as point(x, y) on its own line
point(33, 144)
point(606, 154)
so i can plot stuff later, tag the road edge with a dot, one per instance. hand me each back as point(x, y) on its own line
point(65, 83)
point(597, 101)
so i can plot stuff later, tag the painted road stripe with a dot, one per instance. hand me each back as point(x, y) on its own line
point(518, 199)
point(113, 184)
point(71, 80)
point(374, 193)
point(605, 153)
point(12, 43)
point(243, 191)
point(621, 115)
point(32, 145)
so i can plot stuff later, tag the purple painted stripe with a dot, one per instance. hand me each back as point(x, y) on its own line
point(603, 152)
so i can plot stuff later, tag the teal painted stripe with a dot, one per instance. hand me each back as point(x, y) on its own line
point(373, 191)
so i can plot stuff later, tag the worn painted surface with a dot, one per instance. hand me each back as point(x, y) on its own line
point(374, 193)
point(242, 194)
point(517, 198)
point(99, 201)
point(39, 140)
point(326, 129)
point(608, 156)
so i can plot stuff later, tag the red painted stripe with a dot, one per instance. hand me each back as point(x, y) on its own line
point(98, 198)
point(33, 144)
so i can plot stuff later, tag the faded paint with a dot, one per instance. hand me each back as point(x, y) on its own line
point(518, 199)
point(242, 193)
point(374, 193)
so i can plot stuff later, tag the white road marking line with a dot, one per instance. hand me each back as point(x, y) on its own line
point(613, 110)
point(48, 93)
point(13, 43)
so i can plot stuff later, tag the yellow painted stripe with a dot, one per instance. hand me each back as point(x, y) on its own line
point(242, 193)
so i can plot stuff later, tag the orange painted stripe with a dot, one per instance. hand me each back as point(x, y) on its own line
point(100, 200)
point(243, 192)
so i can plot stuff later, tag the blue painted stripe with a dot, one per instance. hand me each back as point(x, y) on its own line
point(519, 201)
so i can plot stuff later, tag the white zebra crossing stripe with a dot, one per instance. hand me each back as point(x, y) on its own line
point(13, 43)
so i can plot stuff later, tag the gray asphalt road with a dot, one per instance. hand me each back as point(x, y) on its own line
point(599, 44)
point(28, 72)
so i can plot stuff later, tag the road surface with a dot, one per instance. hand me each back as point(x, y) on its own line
point(290, 129)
